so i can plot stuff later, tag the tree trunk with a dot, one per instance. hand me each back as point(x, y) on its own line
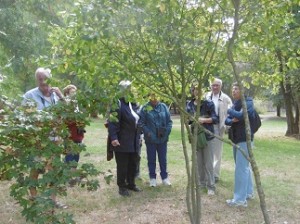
point(291, 107)
point(278, 110)
point(286, 90)
point(230, 49)
point(297, 124)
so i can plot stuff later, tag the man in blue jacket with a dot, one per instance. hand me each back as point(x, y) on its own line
point(243, 186)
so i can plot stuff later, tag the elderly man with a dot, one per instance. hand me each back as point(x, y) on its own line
point(44, 96)
point(222, 103)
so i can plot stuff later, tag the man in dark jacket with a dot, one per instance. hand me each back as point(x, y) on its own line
point(125, 140)
point(243, 186)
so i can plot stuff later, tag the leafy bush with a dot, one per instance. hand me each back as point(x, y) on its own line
point(35, 140)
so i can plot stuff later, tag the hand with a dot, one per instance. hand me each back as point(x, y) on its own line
point(115, 143)
point(57, 91)
point(235, 120)
point(202, 120)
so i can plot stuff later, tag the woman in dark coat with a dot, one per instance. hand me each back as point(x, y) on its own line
point(125, 140)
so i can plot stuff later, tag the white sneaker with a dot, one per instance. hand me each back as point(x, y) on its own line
point(166, 182)
point(152, 182)
point(233, 203)
point(250, 197)
point(210, 192)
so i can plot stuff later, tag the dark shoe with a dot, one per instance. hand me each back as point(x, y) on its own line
point(124, 192)
point(135, 188)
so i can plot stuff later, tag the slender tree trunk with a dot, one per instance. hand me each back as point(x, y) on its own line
point(231, 43)
point(297, 128)
point(298, 115)
point(193, 197)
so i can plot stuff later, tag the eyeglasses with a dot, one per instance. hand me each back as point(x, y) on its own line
point(215, 85)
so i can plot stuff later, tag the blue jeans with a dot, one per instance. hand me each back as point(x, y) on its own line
point(161, 150)
point(243, 185)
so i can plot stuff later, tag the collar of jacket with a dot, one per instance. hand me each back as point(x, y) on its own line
point(211, 96)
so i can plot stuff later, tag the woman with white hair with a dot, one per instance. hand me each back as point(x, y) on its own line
point(125, 139)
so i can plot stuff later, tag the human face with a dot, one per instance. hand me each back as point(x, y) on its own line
point(43, 86)
point(153, 99)
point(216, 87)
point(236, 93)
point(72, 92)
point(195, 92)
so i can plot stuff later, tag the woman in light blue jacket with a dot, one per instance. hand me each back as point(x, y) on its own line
point(156, 123)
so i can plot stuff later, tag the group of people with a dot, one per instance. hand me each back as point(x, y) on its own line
point(217, 113)
point(213, 111)
point(45, 96)
point(153, 122)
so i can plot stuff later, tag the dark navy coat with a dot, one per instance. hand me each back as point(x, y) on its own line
point(207, 109)
point(125, 129)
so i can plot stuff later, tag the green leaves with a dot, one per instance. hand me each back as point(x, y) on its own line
point(294, 63)
point(27, 144)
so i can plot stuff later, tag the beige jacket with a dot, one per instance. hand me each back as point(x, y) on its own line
point(224, 104)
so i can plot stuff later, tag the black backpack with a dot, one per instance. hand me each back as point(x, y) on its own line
point(255, 122)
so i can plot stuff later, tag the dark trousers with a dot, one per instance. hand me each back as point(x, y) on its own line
point(126, 168)
point(161, 151)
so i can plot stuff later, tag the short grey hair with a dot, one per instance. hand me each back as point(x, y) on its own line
point(217, 80)
point(43, 71)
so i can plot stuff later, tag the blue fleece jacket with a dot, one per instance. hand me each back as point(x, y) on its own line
point(156, 123)
point(238, 128)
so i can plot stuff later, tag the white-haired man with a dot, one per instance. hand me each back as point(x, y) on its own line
point(222, 103)
point(44, 95)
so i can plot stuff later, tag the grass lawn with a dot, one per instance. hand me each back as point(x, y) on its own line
point(277, 157)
